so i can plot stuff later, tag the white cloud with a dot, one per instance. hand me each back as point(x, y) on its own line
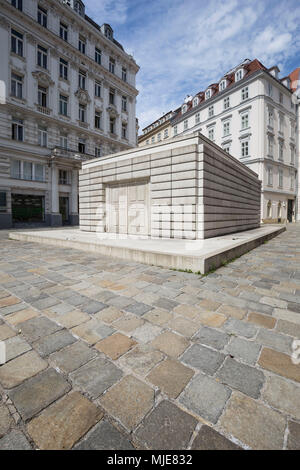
point(183, 46)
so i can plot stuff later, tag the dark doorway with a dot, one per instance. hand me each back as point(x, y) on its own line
point(290, 210)
point(27, 208)
point(64, 209)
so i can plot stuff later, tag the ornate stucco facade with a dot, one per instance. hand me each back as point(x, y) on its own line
point(67, 95)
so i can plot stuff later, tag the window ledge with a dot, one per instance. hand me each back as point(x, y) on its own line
point(18, 56)
point(19, 100)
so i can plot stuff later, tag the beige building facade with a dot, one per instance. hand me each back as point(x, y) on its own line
point(68, 94)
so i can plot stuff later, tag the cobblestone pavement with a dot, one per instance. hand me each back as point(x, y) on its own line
point(106, 354)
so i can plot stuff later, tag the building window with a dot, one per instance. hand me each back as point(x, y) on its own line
point(111, 96)
point(124, 74)
point(292, 179)
point(222, 85)
point(98, 55)
point(97, 120)
point(15, 169)
point(81, 79)
point(270, 118)
point(27, 171)
point(98, 89)
point(270, 176)
point(112, 64)
point(42, 136)
point(207, 94)
point(211, 134)
point(269, 210)
point(42, 54)
point(16, 85)
point(98, 152)
point(81, 145)
point(270, 89)
point(112, 123)
point(245, 149)
point(280, 155)
point(63, 105)
point(17, 4)
point(226, 128)
point(16, 42)
point(270, 147)
point(292, 155)
point(3, 202)
point(152, 140)
point(184, 109)
point(124, 131)
point(226, 102)
point(38, 172)
point(280, 123)
point(147, 142)
point(17, 129)
point(239, 75)
point(280, 97)
point(185, 124)
point(226, 148)
point(42, 16)
point(159, 136)
point(63, 31)
point(124, 103)
point(280, 178)
point(211, 111)
point(195, 101)
point(197, 118)
point(245, 121)
point(175, 130)
point(82, 112)
point(42, 96)
point(63, 69)
point(166, 133)
point(63, 140)
point(245, 93)
point(63, 177)
point(81, 44)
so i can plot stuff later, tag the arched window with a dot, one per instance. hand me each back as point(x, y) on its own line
point(207, 94)
point(269, 210)
point(195, 101)
point(279, 210)
point(184, 108)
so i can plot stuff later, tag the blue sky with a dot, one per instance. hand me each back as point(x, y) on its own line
point(184, 45)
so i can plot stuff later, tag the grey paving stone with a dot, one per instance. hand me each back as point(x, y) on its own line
point(212, 337)
point(92, 307)
point(275, 340)
point(138, 308)
point(293, 442)
point(203, 358)
point(15, 347)
point(13, 308)
point(96, 376)
point(288, 328)
point(243, 349)
point(105, 295)
point(209, 439)
point(167, 427)
point(241, 328)
point(61, 308)
point(244, 378)
point(205, 397)
point(72, 357)
point(76, 300)
point(38, 327)
point(165, 303)
point(104, 436)
point(35, 394)
point(49, 344)
point(15, 440)
point(119, 301)
point(44, 303)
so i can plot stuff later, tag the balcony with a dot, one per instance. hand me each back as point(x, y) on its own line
point(65, 153)
point(43, 109)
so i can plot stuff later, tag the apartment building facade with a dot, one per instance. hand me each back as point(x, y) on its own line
point(158, 131)
point(67, 95)
point(250, 114)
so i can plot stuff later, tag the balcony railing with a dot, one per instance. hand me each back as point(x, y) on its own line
point(72, 154)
